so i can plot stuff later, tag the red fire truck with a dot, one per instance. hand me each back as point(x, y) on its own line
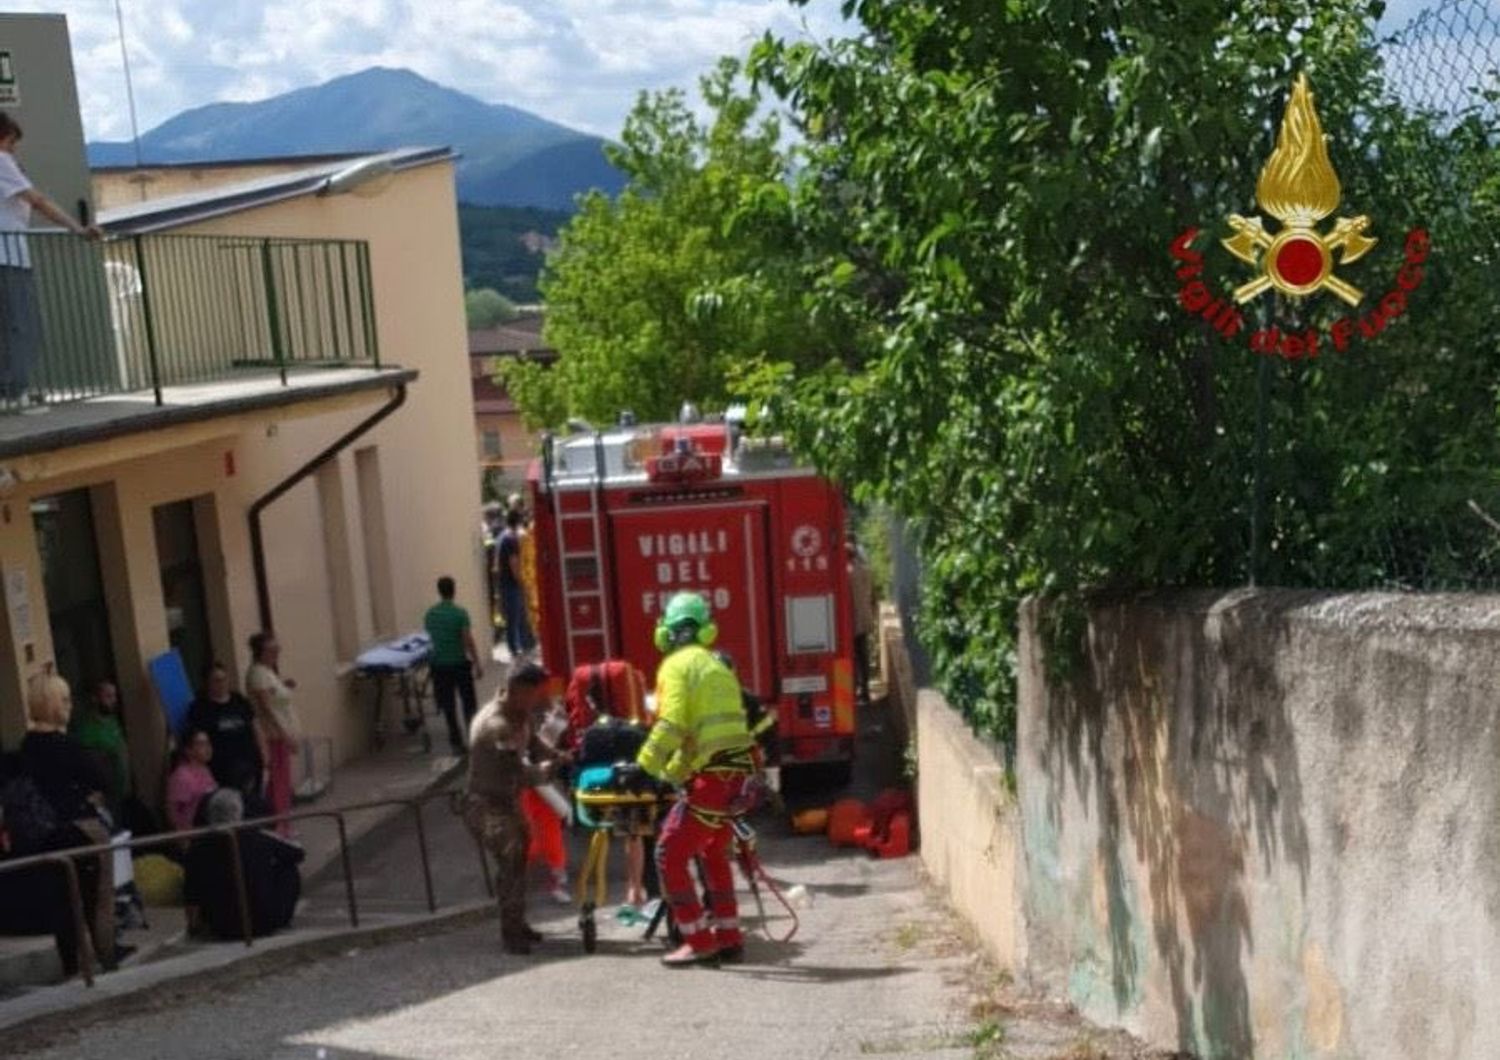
point(627, 517)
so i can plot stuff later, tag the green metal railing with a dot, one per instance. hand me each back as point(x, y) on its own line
point(133, 314)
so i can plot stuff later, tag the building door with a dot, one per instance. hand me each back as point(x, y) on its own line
point(182, 588)
point(76, 610)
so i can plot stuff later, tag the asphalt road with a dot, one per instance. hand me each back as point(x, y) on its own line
point(877, 968)
point(866, 975)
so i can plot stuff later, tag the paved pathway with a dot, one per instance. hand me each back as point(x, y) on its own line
point(877, 969)
point(851, 984)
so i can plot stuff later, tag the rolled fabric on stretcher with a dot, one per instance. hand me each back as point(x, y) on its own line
point(401, 654)
point(402, 661)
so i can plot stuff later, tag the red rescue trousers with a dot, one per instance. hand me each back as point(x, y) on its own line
point(547, 844)
point(697, 828)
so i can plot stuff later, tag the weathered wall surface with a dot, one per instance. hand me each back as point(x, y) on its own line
point(1268, 823)
point(970, 828)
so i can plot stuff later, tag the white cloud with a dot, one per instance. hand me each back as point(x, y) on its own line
point(580, 62)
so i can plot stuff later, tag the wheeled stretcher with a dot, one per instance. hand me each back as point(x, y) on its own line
point(611, 809)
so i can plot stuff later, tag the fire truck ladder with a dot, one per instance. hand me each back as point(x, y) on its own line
point(589, 601)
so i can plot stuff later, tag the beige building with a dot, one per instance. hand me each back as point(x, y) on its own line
point(115, 187)
point(504, 443)
point(286, 351)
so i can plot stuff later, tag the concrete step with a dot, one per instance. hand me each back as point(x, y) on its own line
point(28, 960)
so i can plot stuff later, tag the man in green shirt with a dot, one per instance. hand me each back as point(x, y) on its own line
point(454, 662)
point(96, 727)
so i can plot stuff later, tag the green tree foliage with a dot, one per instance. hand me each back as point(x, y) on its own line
point(485, 308)
point(652, 296)
point(986, 198)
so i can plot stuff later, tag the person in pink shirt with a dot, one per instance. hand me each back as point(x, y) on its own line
point(190, 781)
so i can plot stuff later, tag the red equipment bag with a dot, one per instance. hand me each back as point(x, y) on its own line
point(887, 831)
point(613, 687)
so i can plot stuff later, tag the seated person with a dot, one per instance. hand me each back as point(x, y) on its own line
point(614, 691)
point(607, 741)
point(53, 800)
point(240, 757)
point(273, 883)
point(190, 781)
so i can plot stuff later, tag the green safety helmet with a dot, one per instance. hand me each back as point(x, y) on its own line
point(685, 611)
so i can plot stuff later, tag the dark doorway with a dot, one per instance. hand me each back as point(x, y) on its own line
point(182, 588)
point(76, 610)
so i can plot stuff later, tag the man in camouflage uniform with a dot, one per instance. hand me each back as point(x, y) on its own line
point(498, 772)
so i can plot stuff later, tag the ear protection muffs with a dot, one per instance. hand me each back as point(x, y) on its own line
point(667, 640)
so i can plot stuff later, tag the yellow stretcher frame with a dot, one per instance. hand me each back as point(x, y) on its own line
point(596, 862)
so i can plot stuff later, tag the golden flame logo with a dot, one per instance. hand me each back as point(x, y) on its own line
point(1299, 187)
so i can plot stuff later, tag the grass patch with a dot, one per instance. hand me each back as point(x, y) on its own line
point(908, 935)
point(986, 1040)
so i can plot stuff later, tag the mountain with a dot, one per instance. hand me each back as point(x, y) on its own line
point(509, 157)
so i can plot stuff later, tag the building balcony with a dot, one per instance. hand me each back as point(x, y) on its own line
point(146, 330)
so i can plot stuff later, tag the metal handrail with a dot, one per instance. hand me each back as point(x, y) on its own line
point(142, 312)
point(65, 858)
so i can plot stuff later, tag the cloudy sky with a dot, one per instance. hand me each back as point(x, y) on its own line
point(580, 62)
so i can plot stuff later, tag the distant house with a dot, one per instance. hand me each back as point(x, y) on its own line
point(538, 242)
point(505, 445)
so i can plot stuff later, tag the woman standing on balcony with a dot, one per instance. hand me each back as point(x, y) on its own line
point(20, 321)
point(272, 695)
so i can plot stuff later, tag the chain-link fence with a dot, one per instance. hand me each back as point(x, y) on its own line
point(1455, 550)
point(1443, 67)
point(1445, 61)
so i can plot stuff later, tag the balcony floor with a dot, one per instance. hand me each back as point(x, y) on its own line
point(49, 427)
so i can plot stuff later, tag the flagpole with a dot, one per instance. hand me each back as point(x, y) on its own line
point(135, 129)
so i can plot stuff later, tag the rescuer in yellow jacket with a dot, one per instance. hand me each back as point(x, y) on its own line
point(700, 741)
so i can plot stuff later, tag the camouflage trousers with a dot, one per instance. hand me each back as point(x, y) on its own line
point(500, 828)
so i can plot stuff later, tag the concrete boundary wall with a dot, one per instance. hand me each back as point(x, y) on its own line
point(970, 827)
point(1267, 823)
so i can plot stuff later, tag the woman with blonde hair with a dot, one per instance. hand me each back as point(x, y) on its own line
point(70, 788)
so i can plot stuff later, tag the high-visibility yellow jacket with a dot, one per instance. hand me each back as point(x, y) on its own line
point(700, 720)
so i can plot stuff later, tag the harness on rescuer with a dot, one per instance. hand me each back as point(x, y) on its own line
point(702, 743)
